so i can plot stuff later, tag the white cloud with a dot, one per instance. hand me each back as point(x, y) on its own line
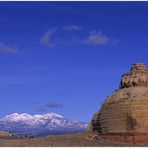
point(50, 39)
point(70, 28)
point(96, 38)
point(46, 40)
point(7, 49)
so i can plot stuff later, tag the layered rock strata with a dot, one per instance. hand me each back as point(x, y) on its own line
point(126, 110)
point(138, 76)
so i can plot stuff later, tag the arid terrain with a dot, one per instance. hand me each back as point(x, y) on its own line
point(80, 139)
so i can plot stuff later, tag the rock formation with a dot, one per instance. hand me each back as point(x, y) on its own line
point(126, 110)
point(138, 76)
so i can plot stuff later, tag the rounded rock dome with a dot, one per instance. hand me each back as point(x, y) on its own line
point(126, 110)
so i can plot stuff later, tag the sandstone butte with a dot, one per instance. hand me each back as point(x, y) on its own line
point(124, 114)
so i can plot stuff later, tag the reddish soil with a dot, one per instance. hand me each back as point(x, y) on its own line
point(136, 138)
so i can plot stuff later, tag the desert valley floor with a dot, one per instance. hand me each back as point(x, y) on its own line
point(80, 139)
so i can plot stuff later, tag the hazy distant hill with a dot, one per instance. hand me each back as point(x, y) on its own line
point(50, 123)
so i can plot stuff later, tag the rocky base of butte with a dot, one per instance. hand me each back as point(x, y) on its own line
point(124, 114)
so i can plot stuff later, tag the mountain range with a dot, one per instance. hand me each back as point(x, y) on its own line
point(50, 123)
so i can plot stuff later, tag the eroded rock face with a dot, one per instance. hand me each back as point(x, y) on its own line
point(138, 76)
point(126, 110)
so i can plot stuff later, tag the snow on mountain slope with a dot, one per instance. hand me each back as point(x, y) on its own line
point(50, 123)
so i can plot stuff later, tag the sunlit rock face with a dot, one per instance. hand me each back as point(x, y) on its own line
point(138, 76)
point(126, 110)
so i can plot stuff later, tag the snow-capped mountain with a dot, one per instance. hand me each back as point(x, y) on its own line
point(50, 123)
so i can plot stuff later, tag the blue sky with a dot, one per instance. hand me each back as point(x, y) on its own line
point(66, 57)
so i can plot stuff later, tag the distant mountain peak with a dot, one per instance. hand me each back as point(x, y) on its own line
point(50, 115)
point(17, 117)
point(39, 124)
